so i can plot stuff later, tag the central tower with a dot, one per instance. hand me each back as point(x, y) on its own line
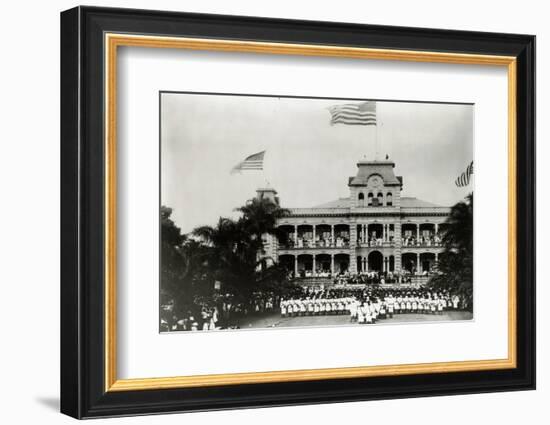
point(375, 185)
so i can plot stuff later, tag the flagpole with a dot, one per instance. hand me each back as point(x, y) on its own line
point(376, 139)
point(376, 131)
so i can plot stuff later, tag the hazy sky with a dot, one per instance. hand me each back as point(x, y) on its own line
point(307, 160)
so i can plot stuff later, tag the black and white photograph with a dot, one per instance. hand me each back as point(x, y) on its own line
point(280, 212)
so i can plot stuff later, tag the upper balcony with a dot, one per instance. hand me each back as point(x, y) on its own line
point(426, 241)
point(311, 244)
point(373, 243)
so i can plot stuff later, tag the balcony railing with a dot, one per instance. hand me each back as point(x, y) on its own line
point(421, 243)
point(309, 244)
point(376, 243)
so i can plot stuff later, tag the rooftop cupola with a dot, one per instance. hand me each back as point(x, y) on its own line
point(267, 193)
point(375, 173)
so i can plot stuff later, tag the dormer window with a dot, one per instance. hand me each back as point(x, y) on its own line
point(369, 197)
point(389, 199)
point(380, 199)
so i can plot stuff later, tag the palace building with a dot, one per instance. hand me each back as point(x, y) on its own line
point(374, 229)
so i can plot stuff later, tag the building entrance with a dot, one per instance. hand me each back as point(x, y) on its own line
point(375, 261)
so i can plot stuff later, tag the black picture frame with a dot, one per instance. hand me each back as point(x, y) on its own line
point(83, 392)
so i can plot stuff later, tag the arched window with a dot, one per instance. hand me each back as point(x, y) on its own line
point(361, 199)
point(369, 196)
point(361, 196)
point(389, 199)
point(379, 199)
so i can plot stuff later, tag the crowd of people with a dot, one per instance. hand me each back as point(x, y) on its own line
point(375, 239)
point(339, 241)
point(366, 306)
point(372, 278)
point(362, 303)
point(225, 311)
point(206, 320)
point(431, 239)
point(343, 239)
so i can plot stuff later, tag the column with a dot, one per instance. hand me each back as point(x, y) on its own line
point(332, 241)
point(397, 245)
point(332, 264)
point(383, 233)
point(417, 233)
point(314, 239)
point(295, 236)
point(417, 263)
point(366, 263)
point(436, 257)
point(384, 263)
point(313, 267)
point(352, 245)
point(436, 228)
point(295, 266)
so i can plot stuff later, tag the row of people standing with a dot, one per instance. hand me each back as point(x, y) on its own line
point(368, 308)
point(315, 307)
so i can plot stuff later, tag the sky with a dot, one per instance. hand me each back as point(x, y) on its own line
point(308, 161)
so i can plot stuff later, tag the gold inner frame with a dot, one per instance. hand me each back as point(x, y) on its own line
point(113, 41)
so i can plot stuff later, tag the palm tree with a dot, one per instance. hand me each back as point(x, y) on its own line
point(455, 265)
point(228, 251)
point(182, 260)
point(236, 246)
point(260, 217)
point(232, 254)
point(459, 229)
point(226, 235)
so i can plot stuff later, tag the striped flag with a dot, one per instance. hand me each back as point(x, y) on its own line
point(252, 162)
point(464, 178)
point(354, 114)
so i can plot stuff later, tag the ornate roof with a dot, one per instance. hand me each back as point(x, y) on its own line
point(409, 202)
point(365, 169)
point(338, 203)
point(406, 202)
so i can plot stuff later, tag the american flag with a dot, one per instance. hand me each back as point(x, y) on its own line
point(354, 114)
point(252, 162)
point(464, 178)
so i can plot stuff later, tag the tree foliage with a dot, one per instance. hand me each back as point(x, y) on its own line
point(455, 265)
point(230, 252)
point(183, 269)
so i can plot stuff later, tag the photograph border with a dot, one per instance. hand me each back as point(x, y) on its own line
point(90, 38)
